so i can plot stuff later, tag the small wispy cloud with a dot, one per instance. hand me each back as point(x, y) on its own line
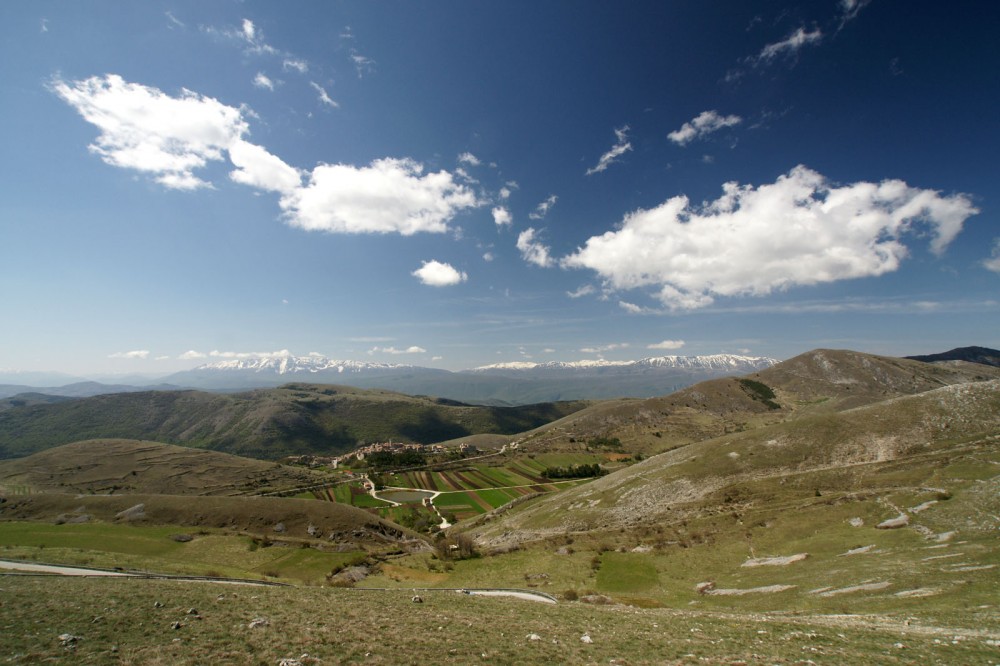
point(604, 348)
point(621, 147)
point(790, 46)
point(141, 354)
point(363, 65)
point(299, 65)
point(323, 96)
point(263, 81)
point(191, 355)
point(993, 263)
point(469, 158)
point(702, 125)
point(585, 290)
point(392, 350)
point(666, 344)
point(542, 209)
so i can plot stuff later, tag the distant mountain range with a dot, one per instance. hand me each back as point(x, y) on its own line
point(515, 383)
point(505, 383)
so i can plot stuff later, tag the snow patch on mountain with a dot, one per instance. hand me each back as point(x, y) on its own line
point(712, 363)
point(290, 365)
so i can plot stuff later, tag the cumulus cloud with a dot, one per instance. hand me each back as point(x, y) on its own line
point(542, 209)
point(703, 124)
point(144, 129)
point(469, 158)
point(170, 138)
point(142, 353)
point(263, 81)
point(621, 147)
point(993, 263)
point(666, 344)
point(532, 250)
point(323, 96)
point(191, 355)
point(502, 216)
point(390, 195)
point(438, 274)
point(258, 168)
point(392, 350)
point(789, 46)
point(751, 241)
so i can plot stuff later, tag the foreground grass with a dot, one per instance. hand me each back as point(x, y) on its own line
point(133, 622)
point(152, 548)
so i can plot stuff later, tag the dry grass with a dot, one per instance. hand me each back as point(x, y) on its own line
point(131, 622)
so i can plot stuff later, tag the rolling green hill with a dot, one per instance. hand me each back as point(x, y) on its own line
point(266, 423)
point(119, 466)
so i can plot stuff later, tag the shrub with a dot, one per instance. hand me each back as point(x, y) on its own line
point(570, 595)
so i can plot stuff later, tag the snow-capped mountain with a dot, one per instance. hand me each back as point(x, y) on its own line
point(725, 363)
point(502, 383)
point(290, 365)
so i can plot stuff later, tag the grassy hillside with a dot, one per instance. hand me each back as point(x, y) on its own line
point(267, 423)
point(131, 622)
point(843, 452)
point(119, 466)
point(818, 382)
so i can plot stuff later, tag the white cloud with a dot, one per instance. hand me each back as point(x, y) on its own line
point(790, 45)
point(437, 274)
point(604, 348)
point(162, 358)
point(849, 10)
point(191, 355)
point(258, 168)
point(392, 350)
point(469, 158)
point(249, 30)
point(263, 81)
point(299, 65)
point(144, 129)
point(993, 263)
point(584, 290)
point(142, 353)
point(799, 230)
point(502, 216)
point(621, 147)
point(174, 21)
point(504, 193)
point(170, 138)
point(284, 353)
point(323, 96)
point(388, 196)
point(488, 256)
point(44, 25)
point(634, 309)
point(362, 64)
point(532, 250)
point(542, 209)
point(666, 344)
point(703, 124)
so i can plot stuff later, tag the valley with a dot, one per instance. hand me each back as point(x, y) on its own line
point(833, 495)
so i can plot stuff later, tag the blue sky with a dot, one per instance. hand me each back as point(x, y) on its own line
point(453, 184)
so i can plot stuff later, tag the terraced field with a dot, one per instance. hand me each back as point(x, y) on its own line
point(467, 492)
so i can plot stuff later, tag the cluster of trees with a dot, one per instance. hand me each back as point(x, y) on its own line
point(574, 471)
